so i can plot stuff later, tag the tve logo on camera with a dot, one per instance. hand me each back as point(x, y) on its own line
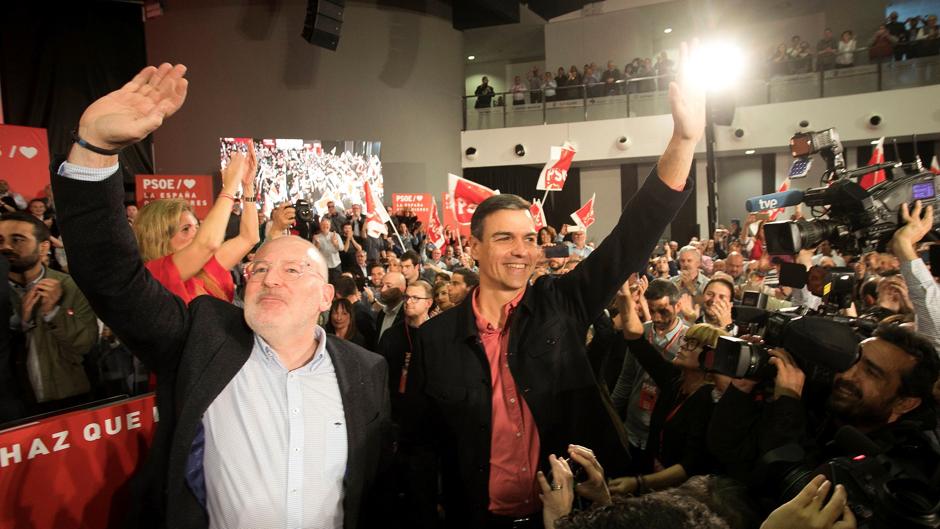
point(768, 204)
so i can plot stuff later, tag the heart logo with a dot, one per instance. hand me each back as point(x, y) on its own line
point(29, 152)
point(189, 183)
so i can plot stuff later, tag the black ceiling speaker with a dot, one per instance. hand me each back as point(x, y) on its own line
point(548, 9)
point(323, 22)
point(468, 14)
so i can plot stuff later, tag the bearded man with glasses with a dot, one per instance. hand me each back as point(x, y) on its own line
point(265, 421)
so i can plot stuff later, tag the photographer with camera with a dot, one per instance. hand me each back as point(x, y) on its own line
point(886, 395)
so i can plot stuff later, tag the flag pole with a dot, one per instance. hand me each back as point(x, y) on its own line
point(400, 242)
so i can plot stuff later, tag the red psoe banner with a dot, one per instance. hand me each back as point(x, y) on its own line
point(418, 203)
point(24, 159)
point(197, 189)
point(465, 196)
point(71, 470)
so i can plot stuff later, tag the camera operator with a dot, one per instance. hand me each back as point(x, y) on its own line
point(921, 287)
point(886, 394)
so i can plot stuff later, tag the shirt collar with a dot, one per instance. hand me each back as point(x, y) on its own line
point(484, 326)
point(31, 284)
point(269, 355)
point(393, 310)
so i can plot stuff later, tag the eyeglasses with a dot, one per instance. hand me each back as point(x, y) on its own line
point(406, 298)
point(290, 270)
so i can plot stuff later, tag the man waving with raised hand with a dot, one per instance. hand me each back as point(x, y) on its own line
point(265, 421)
point(503, 381)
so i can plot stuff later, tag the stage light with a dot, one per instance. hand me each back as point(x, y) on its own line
point(874, 120)
point(750, 151)
point(667, 31)
point(717, 65)
point(471, 57)
point(519, 150)
point(874, 142)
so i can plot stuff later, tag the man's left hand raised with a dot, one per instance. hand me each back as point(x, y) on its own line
point(132, 112)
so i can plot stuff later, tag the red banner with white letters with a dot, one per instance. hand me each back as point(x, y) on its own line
point(197, 189)
point(418, 203)
point(71, 470)
point(24, 159)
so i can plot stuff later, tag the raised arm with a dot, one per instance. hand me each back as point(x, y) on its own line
point(190, 260)
point(923, 290)
point(103, 255)
point(235, 249)
point(589, 288)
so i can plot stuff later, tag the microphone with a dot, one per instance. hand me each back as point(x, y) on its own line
point(854, 442)
point(774, 200)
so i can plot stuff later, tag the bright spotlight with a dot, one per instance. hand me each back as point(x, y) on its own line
point(667, 31)
point(750, 151)
point(874, 142)
point(471, 57)
point(716, 65)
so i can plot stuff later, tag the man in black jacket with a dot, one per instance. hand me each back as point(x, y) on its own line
point(502, 380)
point(264, 420)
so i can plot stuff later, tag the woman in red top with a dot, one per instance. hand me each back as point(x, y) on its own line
point(192, 260)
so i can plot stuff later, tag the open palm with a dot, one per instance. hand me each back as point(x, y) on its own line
point(129, 114)
point(687, 98)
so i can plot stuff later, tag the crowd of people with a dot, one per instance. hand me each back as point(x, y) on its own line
point(893, 40)
point(915, 37)
point(638, 75)
point(291, 170)
point(310, 374)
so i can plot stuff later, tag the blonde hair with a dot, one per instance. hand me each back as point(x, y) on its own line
point(156, 224)
point(705, 334)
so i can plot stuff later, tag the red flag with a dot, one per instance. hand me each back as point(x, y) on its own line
point(785, 186)
point(538, 214)
point(584, 217)
point(934, 166)
point(877, 156)
point(435, 228)
point(555, 172)
point(466, 196)
point(376, 216)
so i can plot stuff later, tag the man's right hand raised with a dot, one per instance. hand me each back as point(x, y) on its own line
point(131, 113)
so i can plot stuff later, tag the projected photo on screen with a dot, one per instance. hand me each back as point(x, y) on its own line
point(314, 170)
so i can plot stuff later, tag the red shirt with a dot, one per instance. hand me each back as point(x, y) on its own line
point(165, 271)
point(514, 444)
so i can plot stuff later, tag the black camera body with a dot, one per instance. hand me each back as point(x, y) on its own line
point(821, 345)
point(303, 211)
point(857, 219)
point(882, 493)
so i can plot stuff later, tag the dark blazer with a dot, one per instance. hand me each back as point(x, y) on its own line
point(380, 318)
point(195, 352)
point(451, 374)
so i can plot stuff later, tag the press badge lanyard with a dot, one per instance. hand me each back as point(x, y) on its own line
point(402, 382)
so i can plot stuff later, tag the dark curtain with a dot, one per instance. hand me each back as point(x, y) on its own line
point(58, 57)
point(521, 180)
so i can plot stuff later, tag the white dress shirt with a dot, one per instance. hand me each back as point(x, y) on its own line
point(276, 445)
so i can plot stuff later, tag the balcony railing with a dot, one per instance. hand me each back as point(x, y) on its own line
point(648, 96)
